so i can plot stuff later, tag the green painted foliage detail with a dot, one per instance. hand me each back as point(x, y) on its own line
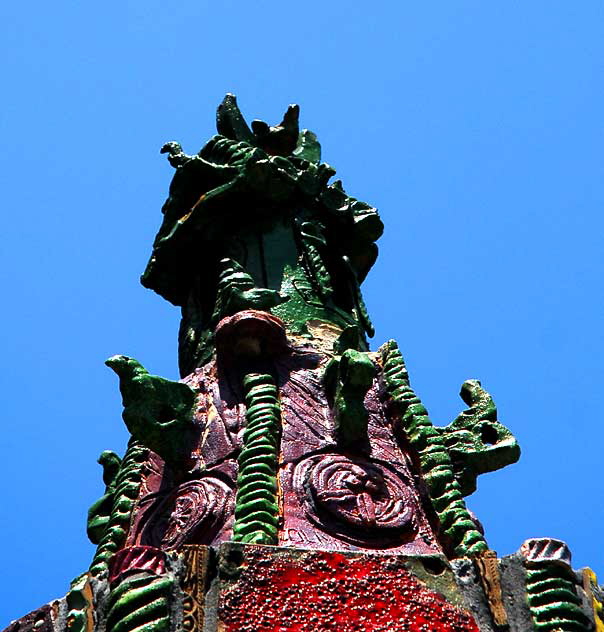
point(256, 506)
point(100, 511)
point(313, 242)
point(308, 147)
point(140, 603)
point(437, 468)
point(158, 412)
point(476, 441)
point(350, 377)
point(552, 599)
point(231, 200)
point(305, 304)
point(237, 291)
point(126, 490)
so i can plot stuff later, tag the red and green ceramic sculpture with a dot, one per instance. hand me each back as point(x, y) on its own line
point(292, 480)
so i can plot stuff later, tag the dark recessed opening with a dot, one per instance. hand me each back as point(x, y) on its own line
point(434, 566)
point(488, 435)
point(165, 414)
point(235, 557)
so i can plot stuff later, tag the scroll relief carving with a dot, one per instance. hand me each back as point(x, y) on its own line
point(194, 511)
point(365, 497)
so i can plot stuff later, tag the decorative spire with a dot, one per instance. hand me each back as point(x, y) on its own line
point(261, 198)
point(293, 479)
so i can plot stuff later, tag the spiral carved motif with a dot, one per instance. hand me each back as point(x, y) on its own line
point(191, 513)
point(360, 494)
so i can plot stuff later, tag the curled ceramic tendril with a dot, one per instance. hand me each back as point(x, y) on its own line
point(256, 507)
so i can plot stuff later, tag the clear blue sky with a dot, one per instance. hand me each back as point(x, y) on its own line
point(475, 127)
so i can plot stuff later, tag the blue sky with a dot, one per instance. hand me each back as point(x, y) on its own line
point(475, 127)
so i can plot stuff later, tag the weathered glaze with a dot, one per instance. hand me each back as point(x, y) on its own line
point(293, 480)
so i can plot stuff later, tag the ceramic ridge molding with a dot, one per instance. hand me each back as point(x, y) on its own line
point(256, 506)
point(292, 479)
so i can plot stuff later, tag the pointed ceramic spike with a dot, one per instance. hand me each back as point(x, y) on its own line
point(281, 139)
point(230, 121)
point(290, 118)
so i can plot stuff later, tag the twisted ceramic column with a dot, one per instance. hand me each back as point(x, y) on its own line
point(256, 508)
